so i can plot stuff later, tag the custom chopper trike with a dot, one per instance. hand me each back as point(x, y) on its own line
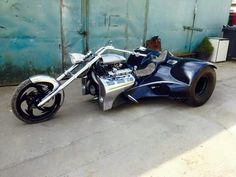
point(109, 76)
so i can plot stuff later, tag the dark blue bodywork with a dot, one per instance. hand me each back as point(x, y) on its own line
point(172, 77)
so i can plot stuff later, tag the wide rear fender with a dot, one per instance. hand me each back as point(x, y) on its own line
point(186, 70)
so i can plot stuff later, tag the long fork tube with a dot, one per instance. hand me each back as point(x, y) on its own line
point(87, 66)
point(126, 51)
point(61, 87)
point(67, 72)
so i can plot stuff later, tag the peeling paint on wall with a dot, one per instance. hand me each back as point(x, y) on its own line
point(29, 36)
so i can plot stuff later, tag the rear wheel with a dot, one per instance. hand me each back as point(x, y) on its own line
point(202, 87)
point(26, 98)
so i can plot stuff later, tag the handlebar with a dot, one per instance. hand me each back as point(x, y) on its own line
point(110, 47)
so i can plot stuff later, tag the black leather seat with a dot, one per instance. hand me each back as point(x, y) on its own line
point(146, 65)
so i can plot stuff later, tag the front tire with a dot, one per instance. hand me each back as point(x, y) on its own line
point(202, 87)
point(26, 97)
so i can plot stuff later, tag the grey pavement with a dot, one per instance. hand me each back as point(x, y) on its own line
point(155, 138)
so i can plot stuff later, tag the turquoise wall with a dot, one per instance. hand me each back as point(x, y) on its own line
point(36, 36)
point(29, 39)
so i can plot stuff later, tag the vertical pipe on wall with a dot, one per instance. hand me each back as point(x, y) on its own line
point(62, 34)
point(85, 22)
point(145, 21)
point(126, 25)
point(193, 25)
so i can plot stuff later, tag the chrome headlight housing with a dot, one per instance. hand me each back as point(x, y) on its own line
point(76, 58)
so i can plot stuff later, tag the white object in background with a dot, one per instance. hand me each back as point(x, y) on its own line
point(220, 51)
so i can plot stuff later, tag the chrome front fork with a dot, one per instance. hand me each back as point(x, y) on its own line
point(76, 75)
point(65, 84)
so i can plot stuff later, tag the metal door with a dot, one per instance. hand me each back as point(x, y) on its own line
point(72, 36)
point(90, 24)
point(122, 22)
point(30, 39)
point(168, 19)
point(209, 19)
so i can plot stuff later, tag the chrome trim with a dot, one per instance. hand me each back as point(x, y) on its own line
point(160, 82)
point(127, 51)
point(110, 89)
point(132, 98)
point(67, 72)
point(76, 58)
point(45, 78)
point(112, 58)
point(157, 82)
point(65, 84)
point(120, 72)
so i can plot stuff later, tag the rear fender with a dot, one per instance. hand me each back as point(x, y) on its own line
point(212, 65)
point(198, 67)
point(186, 70)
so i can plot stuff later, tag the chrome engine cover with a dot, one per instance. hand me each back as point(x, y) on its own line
point(111, 87)
point(112, 58)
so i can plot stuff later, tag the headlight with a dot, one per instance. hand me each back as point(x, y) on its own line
point(76, 57)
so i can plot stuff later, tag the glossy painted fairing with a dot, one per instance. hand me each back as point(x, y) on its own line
point(172, 78)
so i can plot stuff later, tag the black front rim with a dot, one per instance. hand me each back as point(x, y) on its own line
point(201, 86)
point(29, 98)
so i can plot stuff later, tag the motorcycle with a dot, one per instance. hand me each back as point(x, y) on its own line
point(110, 77)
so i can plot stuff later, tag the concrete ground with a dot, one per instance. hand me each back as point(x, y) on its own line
point(156, 138)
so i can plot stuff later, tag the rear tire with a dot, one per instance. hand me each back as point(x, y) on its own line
point(202, 87)
point(26, 97)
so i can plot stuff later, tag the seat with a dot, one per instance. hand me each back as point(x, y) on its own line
point(149, 69)
point(161, 57)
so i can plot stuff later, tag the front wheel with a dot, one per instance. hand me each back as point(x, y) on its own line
point(26, 98)
point(202, 87)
